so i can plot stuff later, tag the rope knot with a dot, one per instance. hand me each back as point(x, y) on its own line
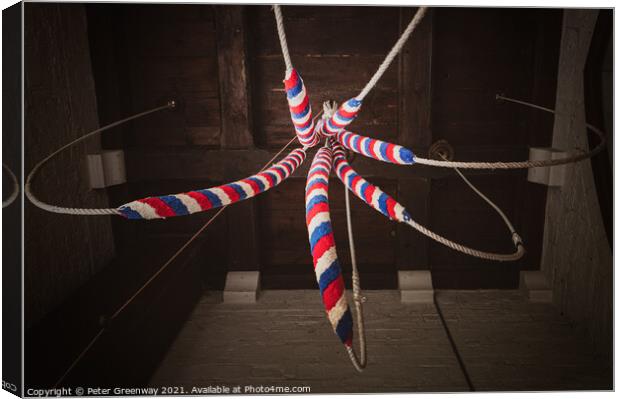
point(329, 109)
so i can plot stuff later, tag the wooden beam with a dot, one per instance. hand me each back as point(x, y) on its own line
point(415, 132)
point(414, 117)
point(233, 80)
point(412, 247)
point(242, 240)
point(236, 129)
point(195, 163)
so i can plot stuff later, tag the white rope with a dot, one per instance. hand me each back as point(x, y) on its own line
point(80, 211)
point(282, 36)
point(520, 251)
point(393, 53)
point(484, 197)
point(358, 299)
point(15, 187)
point(515, 236)
point(522, 164)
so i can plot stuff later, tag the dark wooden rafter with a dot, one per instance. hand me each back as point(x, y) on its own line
point(236, 129)
point(415, 132)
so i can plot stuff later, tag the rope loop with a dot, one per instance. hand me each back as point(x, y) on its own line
point(14, 187)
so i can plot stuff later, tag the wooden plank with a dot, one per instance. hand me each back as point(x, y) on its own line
point(196, 163)
point(412, 247)
point(236, 128)
point(311, 30)
point(415, 132)
point(233, 75)
point(243, 249)
point(415, 83)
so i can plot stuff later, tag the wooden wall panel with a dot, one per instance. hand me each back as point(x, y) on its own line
point(284, 237)
point(478, 53)
point(145, 55)
point(442, 88)
point(334, 65)
point(172, 53)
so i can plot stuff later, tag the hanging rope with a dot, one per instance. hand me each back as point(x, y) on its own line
point(347, 112)
point(153, 277)
point(358, 299)
point(160, 207)
point(14, 187)
point(491, 203)
point(166, 206)
point(349, 109)
point(323, 247)
point(523, 164)
point(282, 37)
point(415, 21)
point(376, 149)
point(81, 211)
point(388, 206)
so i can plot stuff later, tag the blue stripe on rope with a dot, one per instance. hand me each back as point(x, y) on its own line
point(355, 143)
point(353, 103)
point(258, 181)
point(345, 326)
point(318, 180)
point(332, 126)
point(345, 118)
point(294, 91)
point(314, 182)
point(329, 275)
point(351, 177)
point(177, 206)
point(239, 190)
point(212, 197)
point(320, 232)
point(363, 190)
point(130, 213)
point(303, 113)
point(383, 150)
point(367, 146)
point(273, 175)
point(383, 204)
point(406, 155)
point(315, 200)
point(317, 169)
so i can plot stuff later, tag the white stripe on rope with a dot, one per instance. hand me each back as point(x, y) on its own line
point(15, 187)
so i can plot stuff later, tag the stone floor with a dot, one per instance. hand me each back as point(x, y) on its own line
point(285, 340)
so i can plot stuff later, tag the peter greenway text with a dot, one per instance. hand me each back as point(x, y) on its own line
point(168, 390)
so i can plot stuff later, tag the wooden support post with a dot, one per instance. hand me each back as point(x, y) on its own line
point(236, 132)
point(415, 133)
point(412, 250)
point(234, 94)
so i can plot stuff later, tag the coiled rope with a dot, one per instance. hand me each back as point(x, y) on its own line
point(121, 308)
point(81, 211)
point(388, 206)
point(282, 37)
point(14, 187)
point(523, 164)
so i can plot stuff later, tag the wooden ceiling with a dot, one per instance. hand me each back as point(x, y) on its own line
point(223, 65)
